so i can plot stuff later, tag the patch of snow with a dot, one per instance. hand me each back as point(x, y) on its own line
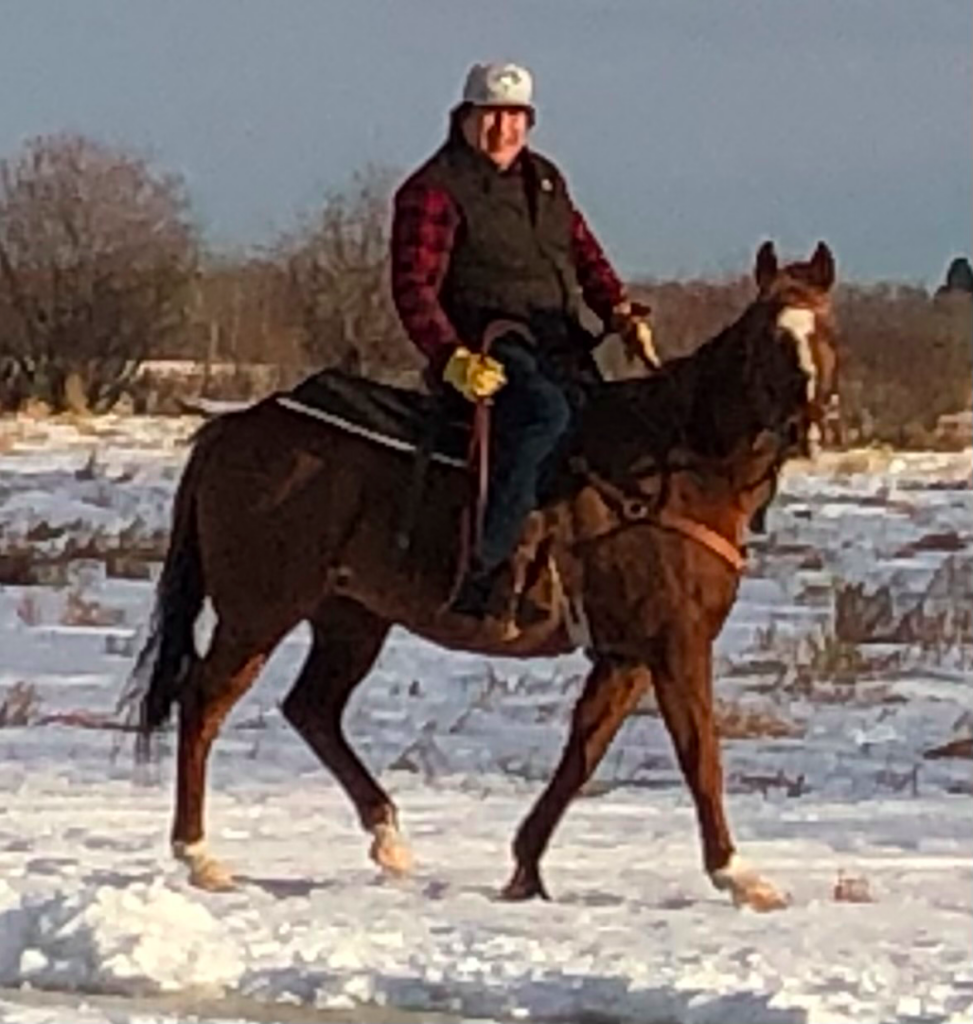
point(98, 924)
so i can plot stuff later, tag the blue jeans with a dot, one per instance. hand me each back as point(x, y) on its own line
point(529, 418)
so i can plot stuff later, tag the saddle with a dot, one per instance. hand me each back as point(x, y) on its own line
point(430, 428)
point(407, 421)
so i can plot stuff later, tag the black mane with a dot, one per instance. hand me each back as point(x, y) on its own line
point(737, 384)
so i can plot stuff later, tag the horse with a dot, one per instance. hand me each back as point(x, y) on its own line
point(635, 557)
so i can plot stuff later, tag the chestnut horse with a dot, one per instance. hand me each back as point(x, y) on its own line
point(636, 556)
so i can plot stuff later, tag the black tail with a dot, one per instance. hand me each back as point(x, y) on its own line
point(169, 653)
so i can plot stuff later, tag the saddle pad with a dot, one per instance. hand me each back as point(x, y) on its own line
point(386, 415)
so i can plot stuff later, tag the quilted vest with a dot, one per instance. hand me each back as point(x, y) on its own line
point(511, 257)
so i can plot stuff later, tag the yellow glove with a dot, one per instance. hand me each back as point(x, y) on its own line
point(473, 375)
point(631, 322)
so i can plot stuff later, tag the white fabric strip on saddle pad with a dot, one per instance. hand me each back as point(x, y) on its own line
point(369, 435)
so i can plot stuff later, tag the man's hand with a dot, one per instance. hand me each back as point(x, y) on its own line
point(630, 321)
point(475, 377)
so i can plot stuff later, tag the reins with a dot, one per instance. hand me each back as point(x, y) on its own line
point(478, 462)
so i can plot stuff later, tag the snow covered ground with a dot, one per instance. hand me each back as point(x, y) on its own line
point(831, 694)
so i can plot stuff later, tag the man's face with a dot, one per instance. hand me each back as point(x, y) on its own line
point(499, 132)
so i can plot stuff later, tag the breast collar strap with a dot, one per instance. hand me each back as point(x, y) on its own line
point(637, 509)
point(702, 534)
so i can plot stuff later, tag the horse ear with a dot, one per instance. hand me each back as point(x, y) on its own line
point(765, 269)
point(822, 267)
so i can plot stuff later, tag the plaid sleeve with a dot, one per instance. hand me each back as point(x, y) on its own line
point(424, 225)
point(600, 285)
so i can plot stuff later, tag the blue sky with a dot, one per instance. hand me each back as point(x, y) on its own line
point(688, 129)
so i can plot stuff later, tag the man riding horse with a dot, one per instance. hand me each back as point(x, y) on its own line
point(488, 256)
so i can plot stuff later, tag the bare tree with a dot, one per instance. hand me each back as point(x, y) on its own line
point(339, 270)
point(243, 307)
point(686, 313)
point(96, 253)
point(907, 360)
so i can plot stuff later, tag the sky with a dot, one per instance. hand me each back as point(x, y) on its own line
point(689, 130)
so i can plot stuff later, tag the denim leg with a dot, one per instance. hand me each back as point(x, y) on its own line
point(529, 417)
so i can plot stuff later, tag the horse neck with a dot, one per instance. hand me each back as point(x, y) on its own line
point(697, 405)
point(721, 417)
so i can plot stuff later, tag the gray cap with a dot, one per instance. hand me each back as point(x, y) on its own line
point(499, 85)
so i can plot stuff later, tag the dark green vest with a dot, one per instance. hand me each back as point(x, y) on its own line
point(512, 253)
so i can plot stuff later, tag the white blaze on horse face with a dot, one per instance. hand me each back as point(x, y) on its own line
point(800, 324)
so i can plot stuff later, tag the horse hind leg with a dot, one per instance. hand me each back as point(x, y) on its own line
point(218, 681)
point(347, 640)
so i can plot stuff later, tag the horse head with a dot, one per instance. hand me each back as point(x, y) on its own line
point(767, 377)
point(798, 297)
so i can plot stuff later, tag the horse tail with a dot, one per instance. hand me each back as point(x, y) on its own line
point(169, 654)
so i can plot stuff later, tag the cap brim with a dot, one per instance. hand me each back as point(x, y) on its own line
point(468, 104)
point(506, 104)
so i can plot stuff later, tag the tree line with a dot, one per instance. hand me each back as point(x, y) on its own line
point(106, 285)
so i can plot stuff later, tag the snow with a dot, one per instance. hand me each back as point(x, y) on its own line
point(828, 790)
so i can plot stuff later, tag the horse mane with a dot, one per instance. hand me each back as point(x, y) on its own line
point(731, 387)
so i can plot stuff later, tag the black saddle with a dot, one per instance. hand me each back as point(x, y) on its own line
point(390, 416)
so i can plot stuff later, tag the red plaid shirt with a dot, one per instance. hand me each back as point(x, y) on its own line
point(423, 229)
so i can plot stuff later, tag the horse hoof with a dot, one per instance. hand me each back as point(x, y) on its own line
point(749, 889)
point(509, 631)
point(526, 884)
point(205, 872)
point(762, 896)
point(390, 851)
point(209, 874)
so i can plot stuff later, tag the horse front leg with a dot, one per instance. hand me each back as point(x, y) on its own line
point(684, 689)
point(610, 693)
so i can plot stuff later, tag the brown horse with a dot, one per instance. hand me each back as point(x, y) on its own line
point(636, 556)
